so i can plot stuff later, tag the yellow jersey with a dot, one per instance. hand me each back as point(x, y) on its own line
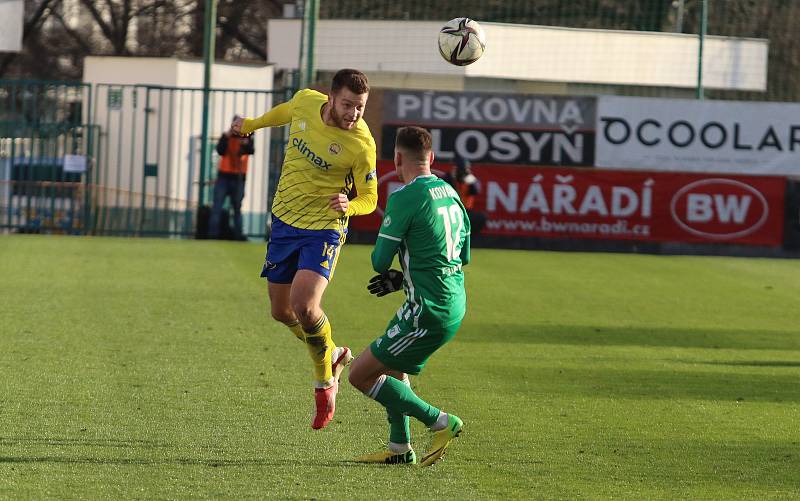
point(320, 161)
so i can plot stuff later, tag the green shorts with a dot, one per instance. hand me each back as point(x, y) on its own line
point(406, 348)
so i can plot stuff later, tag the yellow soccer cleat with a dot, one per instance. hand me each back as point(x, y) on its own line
point(442, 438)
point(389, 457)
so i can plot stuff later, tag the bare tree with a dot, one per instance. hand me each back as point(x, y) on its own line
point(56, 49)
point(54, 46)
point(32, 23)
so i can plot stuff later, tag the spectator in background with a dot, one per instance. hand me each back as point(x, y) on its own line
point(233, 152)
point(468, 188)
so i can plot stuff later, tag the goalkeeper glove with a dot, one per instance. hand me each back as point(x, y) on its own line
point(386, 282)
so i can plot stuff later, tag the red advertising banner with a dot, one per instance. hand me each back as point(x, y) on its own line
point(617, 205)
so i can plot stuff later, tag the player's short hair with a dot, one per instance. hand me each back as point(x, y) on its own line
point(352, 79)
point(414, 140)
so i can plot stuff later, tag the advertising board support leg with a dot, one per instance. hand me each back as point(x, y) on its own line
point(791, 231)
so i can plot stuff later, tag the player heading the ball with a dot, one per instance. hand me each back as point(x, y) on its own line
point(328, 175)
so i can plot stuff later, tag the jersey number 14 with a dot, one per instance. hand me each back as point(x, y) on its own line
point(453, 219)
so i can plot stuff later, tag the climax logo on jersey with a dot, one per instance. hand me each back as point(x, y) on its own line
point(312, 157)
point(334, 148)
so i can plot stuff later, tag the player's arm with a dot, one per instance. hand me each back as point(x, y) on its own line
point(279, 115)
point(393, 228)
point(384, 252)
point(366, 182)
point(465, 253)
point(465, 249)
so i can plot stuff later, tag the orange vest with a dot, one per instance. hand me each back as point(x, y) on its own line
point(463, 193)
point(231, 162)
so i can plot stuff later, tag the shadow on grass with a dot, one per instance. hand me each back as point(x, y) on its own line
point(630, 336)
point(682, 464)
point(87, 442)
point(137, 444)
point(141, 445)
point(213, 463)
point(649, 384)
point(750, 363)
point(209, 462)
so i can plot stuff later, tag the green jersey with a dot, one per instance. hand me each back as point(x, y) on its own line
point(426, 224)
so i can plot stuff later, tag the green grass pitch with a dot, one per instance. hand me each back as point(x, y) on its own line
point(138, 368)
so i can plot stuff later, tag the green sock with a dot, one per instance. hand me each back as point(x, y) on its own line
point(399, 430)
point(401, 399)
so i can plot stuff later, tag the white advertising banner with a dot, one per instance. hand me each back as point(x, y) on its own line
point(734, 137)
point(496, 128)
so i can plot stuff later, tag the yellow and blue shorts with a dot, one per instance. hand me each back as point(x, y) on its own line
point(291, 249)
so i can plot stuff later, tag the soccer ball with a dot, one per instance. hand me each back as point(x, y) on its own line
point(461, 41)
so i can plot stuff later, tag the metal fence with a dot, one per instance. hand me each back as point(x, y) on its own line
point(41, 125)
point(122, 159)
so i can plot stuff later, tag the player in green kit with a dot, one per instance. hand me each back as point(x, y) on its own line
point(426, 226)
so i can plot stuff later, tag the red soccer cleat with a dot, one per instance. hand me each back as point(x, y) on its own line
point(325, 399)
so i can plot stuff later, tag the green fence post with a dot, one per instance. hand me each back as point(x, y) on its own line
point(703, 28)
point(302, 40)
point(89, 165)
point(209, 37)
point(145, 140)
point(313, 14)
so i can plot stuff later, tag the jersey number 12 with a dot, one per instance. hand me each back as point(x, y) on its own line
point(453, 218)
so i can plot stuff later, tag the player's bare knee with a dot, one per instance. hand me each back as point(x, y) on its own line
point(356, 379)
point(307, 314)
point(359, 377)
point(283, 316)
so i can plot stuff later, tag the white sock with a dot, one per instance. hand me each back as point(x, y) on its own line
point(441, 422)
point(373, 392)
point(326, 384)
point(399, 448)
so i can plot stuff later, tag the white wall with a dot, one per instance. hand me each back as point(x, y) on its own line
point(11, 19)
point(225, 76)
point(131, 70)
point(538, 53)
point(171, 90)
point(175, 72)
